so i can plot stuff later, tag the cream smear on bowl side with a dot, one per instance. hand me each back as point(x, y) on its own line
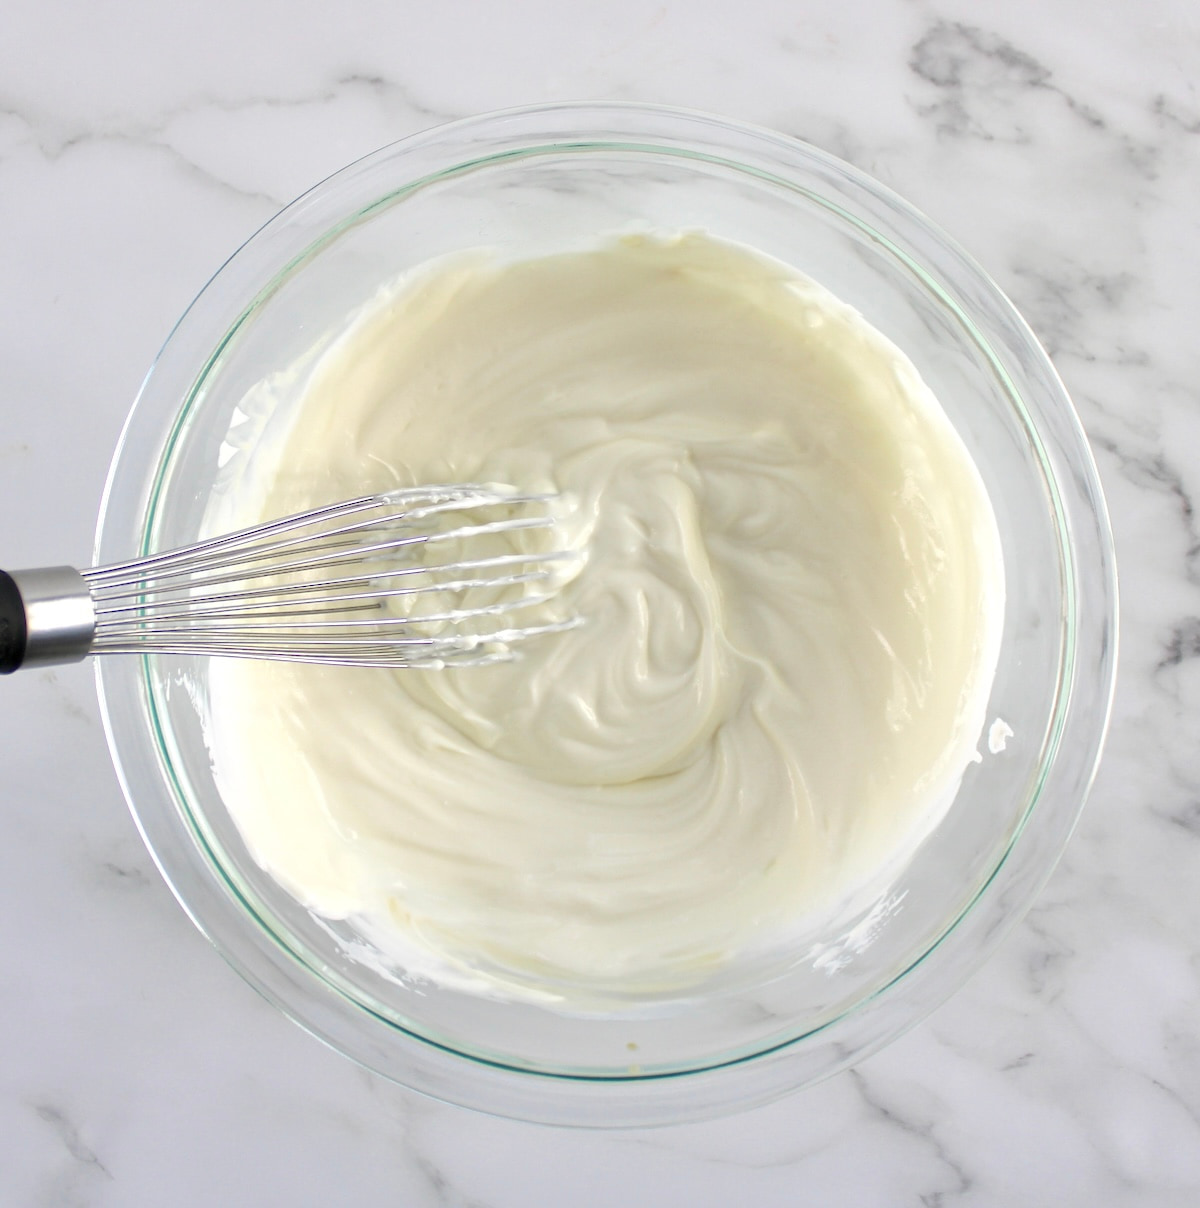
point(793, 594)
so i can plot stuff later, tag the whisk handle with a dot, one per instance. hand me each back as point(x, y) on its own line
point(13, 630)
point(46, 617)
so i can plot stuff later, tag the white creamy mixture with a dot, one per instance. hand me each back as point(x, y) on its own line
point(793, 593)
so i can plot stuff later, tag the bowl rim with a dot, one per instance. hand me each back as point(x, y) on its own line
point(1091, 600)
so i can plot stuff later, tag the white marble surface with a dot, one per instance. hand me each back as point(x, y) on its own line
point(1058, 139)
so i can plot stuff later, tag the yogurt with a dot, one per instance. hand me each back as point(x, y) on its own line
point(792, 589)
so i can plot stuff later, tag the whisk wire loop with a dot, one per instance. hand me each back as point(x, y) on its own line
point(352, 583)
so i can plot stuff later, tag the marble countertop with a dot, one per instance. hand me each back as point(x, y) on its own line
point(1059, 140)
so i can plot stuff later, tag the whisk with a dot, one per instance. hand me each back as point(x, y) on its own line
point(354, 583)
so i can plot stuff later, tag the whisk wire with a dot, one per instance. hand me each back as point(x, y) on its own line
point(339, 584)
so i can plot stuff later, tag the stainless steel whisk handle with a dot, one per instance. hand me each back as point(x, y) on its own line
point(46, 617)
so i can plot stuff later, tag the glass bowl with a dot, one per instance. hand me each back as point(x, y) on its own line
point(542, 180)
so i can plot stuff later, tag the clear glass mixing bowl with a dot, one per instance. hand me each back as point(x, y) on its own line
point(541, 180)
